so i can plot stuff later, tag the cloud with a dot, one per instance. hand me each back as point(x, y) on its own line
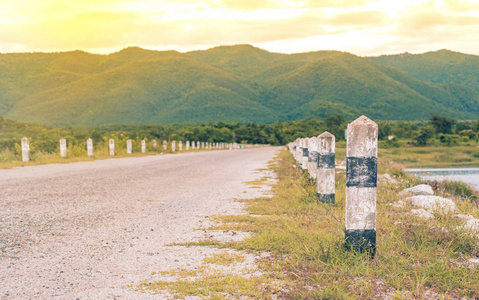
point(362, 18)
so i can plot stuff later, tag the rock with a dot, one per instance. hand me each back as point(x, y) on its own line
point(387, 178)
point(473, 262)
point(400, 203)
point(422, 213)
point(433, 203)
point(422, 189)
point(472, 224)
point(467, 217)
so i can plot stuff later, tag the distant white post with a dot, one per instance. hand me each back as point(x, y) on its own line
point(63, 148)
point(187, 145)
point(326, 167)
point(165, 145)
point(180, 146)
point(143, 146)
point(312, 157)
point(111, 144)
point(129, 148)
point(173, 146)
point(304, 158)
point(89, 147)
point(361, 182)
point(25, 150)
point(202, 145)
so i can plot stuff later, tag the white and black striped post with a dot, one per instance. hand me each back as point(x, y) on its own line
point(63, 148)
point(143, 146)
point(312, 157)
point(111, 145)
point(305, 152)
point(361, 182)
point(25, 150)
point(129, 148)
point(89, 147)
point(325, 164)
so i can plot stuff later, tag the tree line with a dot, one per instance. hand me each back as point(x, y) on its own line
point(436, 130)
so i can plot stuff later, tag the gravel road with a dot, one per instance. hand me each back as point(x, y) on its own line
point(86, 230)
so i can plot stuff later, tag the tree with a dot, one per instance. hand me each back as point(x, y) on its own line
point(442, 124)
point(335, 124)
point(425, 134)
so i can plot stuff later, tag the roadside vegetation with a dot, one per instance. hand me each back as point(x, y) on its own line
point(440, 141)
point(416, 258)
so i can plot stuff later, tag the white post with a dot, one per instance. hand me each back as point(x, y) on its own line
point(129, 148)
point(143, 146)
point(25, 150)
point(326, 167)
point(312, 157)
point(89, 147)
point(187, 145)
point(63, 148)
point(180, 146)
point(361, 182)
point(111, 144)
point(165, 145)
point(173, 146)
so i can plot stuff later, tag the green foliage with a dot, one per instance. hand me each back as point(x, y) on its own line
point(442, 124)
point(230, 84)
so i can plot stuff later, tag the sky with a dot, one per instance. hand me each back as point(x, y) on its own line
point(361, 27)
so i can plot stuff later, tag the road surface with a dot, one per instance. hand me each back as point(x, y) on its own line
point(85, 230)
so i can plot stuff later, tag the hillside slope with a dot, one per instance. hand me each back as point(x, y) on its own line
point(229, 83)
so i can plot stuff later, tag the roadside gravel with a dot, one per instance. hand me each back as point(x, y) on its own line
point(86, 230)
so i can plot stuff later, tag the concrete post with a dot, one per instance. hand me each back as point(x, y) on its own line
point(304, 158)
point(313, 157)
point(173, 146)
point(63, 148)
point(111, 144)
point(180, 146)
point(89, 147)
point(361, 181)
point(326, 167)
point(25, 150)
point(187, 145)
point(154, 145)
point(129, 147)
point(165, 145)
point(143, 146)
point(202, 145)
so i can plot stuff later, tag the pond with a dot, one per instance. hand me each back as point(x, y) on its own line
point(467, 175)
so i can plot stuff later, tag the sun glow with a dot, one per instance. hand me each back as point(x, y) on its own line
point(364, 27)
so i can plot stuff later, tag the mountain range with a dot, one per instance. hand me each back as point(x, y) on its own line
point(233, 84)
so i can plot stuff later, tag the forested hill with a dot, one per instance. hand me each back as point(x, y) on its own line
point(231, 84)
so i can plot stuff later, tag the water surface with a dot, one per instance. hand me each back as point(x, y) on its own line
point(467, 175)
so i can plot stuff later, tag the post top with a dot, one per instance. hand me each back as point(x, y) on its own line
point(326, 135)
point(362, 120)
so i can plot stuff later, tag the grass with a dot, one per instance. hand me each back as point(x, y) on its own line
point(305, 239)
point(433, 156)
